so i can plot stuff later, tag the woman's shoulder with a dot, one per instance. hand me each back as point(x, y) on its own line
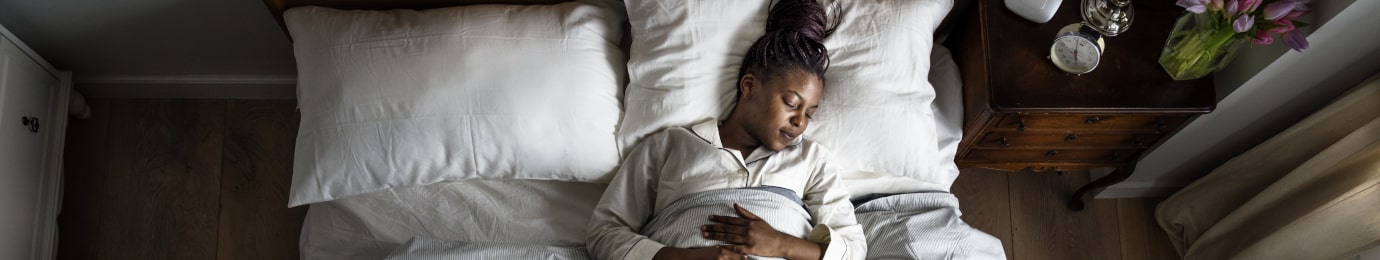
point(810, 146)
point(670, 136)
point(817, 152)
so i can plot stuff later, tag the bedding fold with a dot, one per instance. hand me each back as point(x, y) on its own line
point(923, 226)
point(679, 224)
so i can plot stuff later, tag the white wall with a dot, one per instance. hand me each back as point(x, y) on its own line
point(1264, 91)
point(152, 38)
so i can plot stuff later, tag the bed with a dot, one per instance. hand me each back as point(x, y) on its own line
point(489, 129)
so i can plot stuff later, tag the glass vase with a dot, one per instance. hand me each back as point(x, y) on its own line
point(1199, 45)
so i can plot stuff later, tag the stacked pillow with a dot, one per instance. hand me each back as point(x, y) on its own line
point(406, 98)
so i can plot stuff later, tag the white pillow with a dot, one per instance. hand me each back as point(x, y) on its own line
point(405, 98)
point(876, 111)
point(684, 60)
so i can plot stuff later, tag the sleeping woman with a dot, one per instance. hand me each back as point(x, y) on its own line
point(746, 185)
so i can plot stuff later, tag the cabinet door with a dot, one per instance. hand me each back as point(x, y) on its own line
point(25, 93)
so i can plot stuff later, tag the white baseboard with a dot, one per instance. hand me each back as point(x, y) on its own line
point(1139, 190)
point(203, 86)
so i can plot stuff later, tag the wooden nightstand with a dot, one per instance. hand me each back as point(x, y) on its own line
point(1023, 113)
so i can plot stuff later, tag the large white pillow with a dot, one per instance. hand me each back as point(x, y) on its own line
point(405, 98)
point(876, 112)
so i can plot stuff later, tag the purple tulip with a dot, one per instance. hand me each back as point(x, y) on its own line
point(1248, 6)
point(1300, 9)
point(1295, 40)
point(1243, 23)
point(1231, 7)
point(1195, 6)
point(1281, 26)
point(1262, 38)
point(1278, 9)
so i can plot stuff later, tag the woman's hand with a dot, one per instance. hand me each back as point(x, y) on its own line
point(699, 253)
point(750, 235)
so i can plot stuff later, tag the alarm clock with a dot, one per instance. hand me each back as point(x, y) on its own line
point(1077, 49)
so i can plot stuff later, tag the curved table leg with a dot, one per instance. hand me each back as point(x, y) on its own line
point(1121, 173)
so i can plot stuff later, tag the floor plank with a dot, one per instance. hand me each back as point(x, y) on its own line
point(84, 167)
point(255, 222)
point(983, 197)
point(163, 185)
point(1141, 237)
point(1044, 228)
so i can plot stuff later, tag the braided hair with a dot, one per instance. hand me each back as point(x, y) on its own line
point(794, 40)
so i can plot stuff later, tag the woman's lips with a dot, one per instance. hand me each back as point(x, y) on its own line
point(788, 136)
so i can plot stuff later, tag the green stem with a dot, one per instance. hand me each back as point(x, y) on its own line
point(1199, 47)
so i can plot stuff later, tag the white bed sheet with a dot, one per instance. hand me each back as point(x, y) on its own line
point(527, 211)
point(508, 211)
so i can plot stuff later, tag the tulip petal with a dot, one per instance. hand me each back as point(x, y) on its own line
point(1243, 23)
point(1278, 9)
point(1195, 6)
point(1300, 9)
point(1282, 26)
point(1249, 6)
point(1295, 40)
point(1262, 38)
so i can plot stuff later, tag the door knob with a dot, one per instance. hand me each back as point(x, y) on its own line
point(31, 123)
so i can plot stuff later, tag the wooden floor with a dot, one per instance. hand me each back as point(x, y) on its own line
point(208, 179)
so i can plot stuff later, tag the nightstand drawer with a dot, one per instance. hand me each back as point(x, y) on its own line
point(1089, 122)
point(1046, 155)
point(1074, 139)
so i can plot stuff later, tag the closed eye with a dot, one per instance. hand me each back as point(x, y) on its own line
point(789, 104)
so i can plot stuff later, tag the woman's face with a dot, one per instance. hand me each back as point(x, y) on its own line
point(779, 109)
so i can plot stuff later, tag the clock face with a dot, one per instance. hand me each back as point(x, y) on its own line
point(1074, 54)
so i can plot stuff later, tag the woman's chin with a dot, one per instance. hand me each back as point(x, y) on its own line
point(777, 145)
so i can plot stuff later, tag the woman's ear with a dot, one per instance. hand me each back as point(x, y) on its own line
point(746, 85)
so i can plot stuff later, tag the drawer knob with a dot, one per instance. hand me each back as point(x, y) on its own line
point(1003, 143)
point(1071, 137)
point(31, 123)
point(1092, 120)
point(1020, 126)
point(1051, 153)
point(1161, 126)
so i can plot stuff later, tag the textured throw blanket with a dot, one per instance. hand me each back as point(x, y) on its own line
point(679, 224)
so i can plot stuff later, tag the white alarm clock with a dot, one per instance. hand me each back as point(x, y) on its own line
point(1077, 49)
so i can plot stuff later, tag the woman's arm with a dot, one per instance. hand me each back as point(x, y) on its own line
point(827, 201)
point(626, 204)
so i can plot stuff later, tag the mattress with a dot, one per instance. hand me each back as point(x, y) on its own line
point(539, 212)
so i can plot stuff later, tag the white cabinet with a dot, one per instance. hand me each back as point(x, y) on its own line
point(33, 115)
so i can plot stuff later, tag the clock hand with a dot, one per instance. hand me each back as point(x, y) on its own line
point(1075, 52)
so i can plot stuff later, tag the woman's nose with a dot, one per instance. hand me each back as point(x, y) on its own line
point(797, 120)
